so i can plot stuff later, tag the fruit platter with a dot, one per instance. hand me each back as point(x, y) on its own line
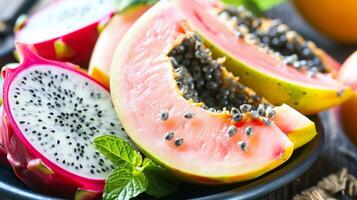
point(170, 99)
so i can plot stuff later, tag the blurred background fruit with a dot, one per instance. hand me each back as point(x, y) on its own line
point(334, 18)
point(348, 110)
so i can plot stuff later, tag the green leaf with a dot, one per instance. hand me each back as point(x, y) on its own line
point(256, 6)
point(124, 183)
point(117, 150)
point(161, 182)
point(132, 175)
point(267, 4)
point(124, 5)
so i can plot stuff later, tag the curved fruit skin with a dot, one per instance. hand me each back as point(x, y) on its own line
point(140, 58)
point(348, 110)
point(340, 22)
point(258, 70)
point(75, 46)
point(99, 66)
point(28, 164)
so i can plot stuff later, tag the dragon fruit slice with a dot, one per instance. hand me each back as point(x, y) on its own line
point(3, 160)
point(52, 113)
point(66, 30)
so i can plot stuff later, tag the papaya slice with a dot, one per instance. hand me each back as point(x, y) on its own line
point(186, 111)
point(109, 38)
point(268, 56)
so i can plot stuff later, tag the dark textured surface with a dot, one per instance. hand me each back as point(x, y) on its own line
point(333, 156)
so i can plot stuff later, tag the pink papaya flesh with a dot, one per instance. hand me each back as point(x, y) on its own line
point(66, 30)
point(272, 59)
point(52, 113)
point(99, 66)
point(175, 119)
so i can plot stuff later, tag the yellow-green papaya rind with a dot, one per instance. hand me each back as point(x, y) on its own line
point(300, 137)
point(211, 179)
point(307, 99)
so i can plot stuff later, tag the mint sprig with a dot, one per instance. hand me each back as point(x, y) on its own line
point(117, 150)
point(124, 183)
point(132, 175)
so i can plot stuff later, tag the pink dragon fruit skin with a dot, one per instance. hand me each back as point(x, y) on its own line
point(75, 45)
point(3, 160)
point(38, 172)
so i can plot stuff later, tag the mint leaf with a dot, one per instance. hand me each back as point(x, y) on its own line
point(124, 5)
point(117, 150)
point(125, 182)
point(161, 182)
point(267, 4)
point(132, 175)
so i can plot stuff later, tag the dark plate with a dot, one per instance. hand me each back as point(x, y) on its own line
point(13, 189)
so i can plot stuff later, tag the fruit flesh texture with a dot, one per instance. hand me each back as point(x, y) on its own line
point(99, 66)
point(348, 110)
point(260, 71)
point(58, 36)
point(31, 163)
point(206, 142)
point(339, 24)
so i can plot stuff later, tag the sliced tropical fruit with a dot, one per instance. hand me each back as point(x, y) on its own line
point(65, 30)
point(272, 59)
point(109, 38)
point(348, 110)
point(186, 111)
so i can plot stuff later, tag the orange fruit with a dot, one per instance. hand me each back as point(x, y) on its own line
point(335, 19)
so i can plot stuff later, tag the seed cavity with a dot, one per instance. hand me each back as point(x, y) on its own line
point(274, 38)
point(203, 79)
